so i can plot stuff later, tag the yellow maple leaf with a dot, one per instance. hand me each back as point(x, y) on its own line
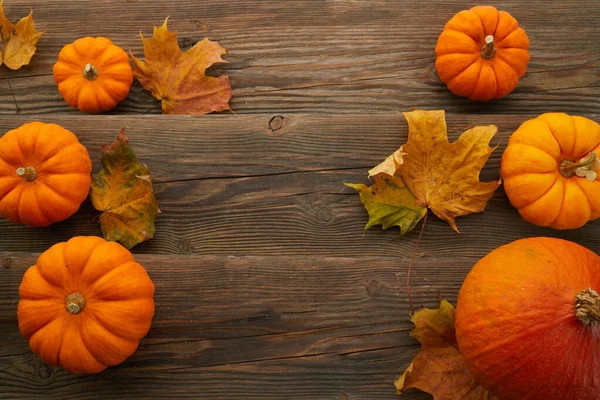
point(444, 176)
point(123, 192)
point(439, 369)
point(179, 79)
point(18, 41)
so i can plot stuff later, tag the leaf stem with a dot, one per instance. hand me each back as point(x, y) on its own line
point(13, 95)
point(410, 264)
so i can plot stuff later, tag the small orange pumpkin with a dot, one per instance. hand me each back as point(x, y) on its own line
point(44, 174)
point(549, 170)
point(85, 304)
point(93, 74)
point(528, 321)
point(482, 53)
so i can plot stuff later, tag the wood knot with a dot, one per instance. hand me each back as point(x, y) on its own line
point(373, 287)
point(276, 123)
point(186, 246)
point(7, 263)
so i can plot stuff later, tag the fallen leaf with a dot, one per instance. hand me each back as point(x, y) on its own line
point(18, 41)
point(439, 368)
point(390, 165)
point(444, 176)
point(441, 176)
point(123, 192)
point(178, 79)
point(389, 203)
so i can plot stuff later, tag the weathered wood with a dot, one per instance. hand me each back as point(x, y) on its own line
point(293, 327)
point(321, 56)
point(230, 185)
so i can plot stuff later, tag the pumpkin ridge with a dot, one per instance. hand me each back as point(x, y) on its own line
point(109, 329)
point(562, 201)
point(480, 62)
point(507, 60)
point(59, 152)
point(527, 204)
point(21, 189)
point(59, 319)
point(85, 264)
point(81, 336)
point(91, 346)
point(596, 211)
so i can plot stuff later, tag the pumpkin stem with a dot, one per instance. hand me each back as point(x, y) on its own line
point(569, 168)
point(488, 49)
point(75, 302)
point(587, 307)
point(27, 173)
point(90, 72)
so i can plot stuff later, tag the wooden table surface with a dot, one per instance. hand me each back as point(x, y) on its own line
point(266, 285)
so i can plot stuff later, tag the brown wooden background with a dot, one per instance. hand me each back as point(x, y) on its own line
point(266, 285)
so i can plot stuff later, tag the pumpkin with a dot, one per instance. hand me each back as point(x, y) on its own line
point(528, 321)
point(93, 74)
point(482, 53)
point(44, 174)
point(549, 170)
point(85, 304)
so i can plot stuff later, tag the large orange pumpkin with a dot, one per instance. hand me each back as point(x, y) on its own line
point(482, 53)
point(93, 74)
point(85, 304)
point(44, 174)
point(549, 170)
point(528, 321)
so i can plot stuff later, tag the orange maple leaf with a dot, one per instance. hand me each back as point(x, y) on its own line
point(122, 190)
point(439, 368)
point(179, 79)
point(18, 41)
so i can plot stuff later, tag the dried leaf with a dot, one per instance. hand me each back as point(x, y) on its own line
point(18, 41)
point(123, 192)
point(178, 79)
point(390, 164)
point(444, 176)
point(440, 175)
point(439, 368)
point(389, 203)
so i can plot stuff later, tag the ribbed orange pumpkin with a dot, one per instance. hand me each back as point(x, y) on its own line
point(93, 74)
point(482, 53)
point(528, 321)
point(549, 170)
point(85, 305)
point(44, 174)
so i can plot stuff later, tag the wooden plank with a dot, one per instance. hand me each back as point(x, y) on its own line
point(230, 185)
point(225, 326)
point(332, 56)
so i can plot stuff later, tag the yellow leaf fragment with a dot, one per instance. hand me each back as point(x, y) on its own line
point(389, 203)
point(390, 165)
point(18, 41)
point(439, 368)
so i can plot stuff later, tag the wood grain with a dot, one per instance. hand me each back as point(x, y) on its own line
point(321, 56)
point(231, 185)
point(266, 285)
point(226, 327)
